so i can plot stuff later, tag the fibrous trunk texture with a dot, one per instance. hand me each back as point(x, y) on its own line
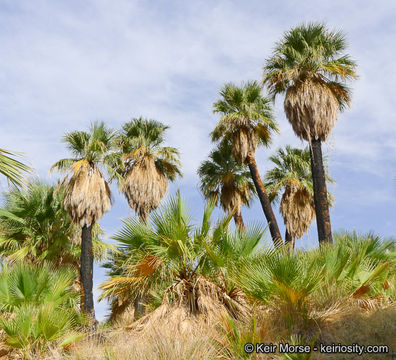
point(311, 108)
point(289, 240)
point(86, 272)
point(238, 219)
point(144, 187)
point(87, 195)
point(243, 141)
point(297, 210)
point(265, 203)
point(320, 194)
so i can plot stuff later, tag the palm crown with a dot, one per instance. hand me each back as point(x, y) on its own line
point(141, 138)
point(309, 66)
point(224, 180)
point(246, 118)
point(143, 166)
point(310, 52)
point(87, 194)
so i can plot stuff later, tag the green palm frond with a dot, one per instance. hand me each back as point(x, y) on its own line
point(11, 168)
point(310, 51)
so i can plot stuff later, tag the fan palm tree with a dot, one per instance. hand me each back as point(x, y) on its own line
point(11, 168)
point(38, 309)
point(35, 227)
point(224, 180)
point(309, 67)
point(87, 194)
point(175, 258)
point(247, 122)
point(143, 165)
point(292, 175)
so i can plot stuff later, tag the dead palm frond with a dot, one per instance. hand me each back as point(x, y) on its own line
point(143, 166)
point(225, 181)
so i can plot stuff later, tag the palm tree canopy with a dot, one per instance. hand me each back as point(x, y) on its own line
point(292, 176)
point(310, 67)
point(169, 249)
point(224, 180)
point(34, 226)
point(292, 167)
point(140, 138)
point(11, 168)
point(143, 165)
point(246, 118)
point(87, 195)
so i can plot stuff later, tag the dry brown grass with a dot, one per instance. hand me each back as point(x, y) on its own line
point(311, 108)
point(144, 186)
point(180, 336)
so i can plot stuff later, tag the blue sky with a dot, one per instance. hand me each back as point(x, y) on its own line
point(64, 64)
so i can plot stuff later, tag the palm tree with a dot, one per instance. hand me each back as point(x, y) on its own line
point(187, 265)
point(87, 194)
point(11, 168)
point(224, 180)
point(38, 309)
point(292, 175)
point(144, 165)
point(308, 66)
point(247, 122)
point(34, 227)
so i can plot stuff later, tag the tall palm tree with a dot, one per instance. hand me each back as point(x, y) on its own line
point(292, 176)
point(224, 180)
point(87, 194)
point(11, 168)
point(247, 122)
point(34, 227)
point(309, 67)
point(144, 165)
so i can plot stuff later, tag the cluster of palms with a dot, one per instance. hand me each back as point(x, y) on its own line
point(162, 253)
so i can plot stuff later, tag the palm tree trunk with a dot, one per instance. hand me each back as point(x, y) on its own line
point(86, 271)
point(290, 239)
point(265, 203)
point(320, 194)
point(139, 307)
point(238, 219)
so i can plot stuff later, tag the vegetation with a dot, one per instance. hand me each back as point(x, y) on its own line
point(11, 168)
point(87, 194)
point(34, 227)
point(181, 288)
point(225, 181)
point(247, 122)
point(309, 66)
point(38, 309)
point(292, 174)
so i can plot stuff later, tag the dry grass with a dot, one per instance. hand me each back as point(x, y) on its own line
point(180, 336)
point(87, 194)
point(311, 108)
point(144, 186)
point(297, 210)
